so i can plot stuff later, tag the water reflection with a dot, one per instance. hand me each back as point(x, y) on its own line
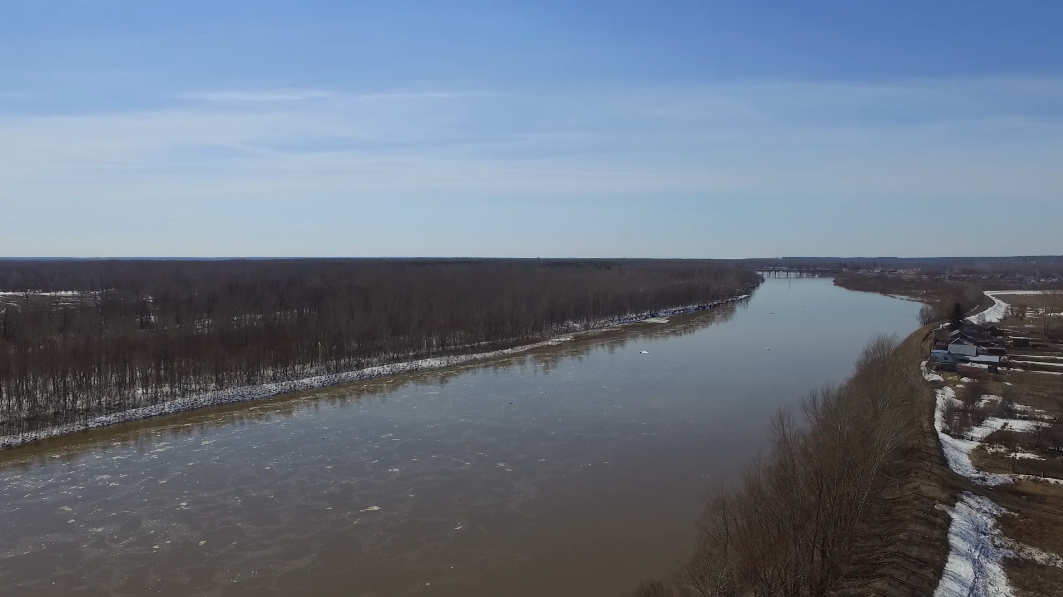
point(539, 361)
point(570, 470)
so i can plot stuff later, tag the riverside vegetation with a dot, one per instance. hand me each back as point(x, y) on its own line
point(832, 508)
point(80, 339)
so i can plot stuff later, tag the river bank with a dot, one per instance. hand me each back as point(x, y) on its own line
point(575, 469)
point(269, 390)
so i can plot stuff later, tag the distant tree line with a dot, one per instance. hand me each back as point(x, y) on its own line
point(84, 338)
point(944, 298)
point(1033, 266)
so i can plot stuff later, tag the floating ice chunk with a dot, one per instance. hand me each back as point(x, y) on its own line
point(371, 509)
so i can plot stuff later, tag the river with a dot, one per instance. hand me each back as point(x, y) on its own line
point(574, 470)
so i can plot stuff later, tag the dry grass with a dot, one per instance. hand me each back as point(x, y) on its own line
point(1034, 580)
point(1037, 514)
point(1035, 509)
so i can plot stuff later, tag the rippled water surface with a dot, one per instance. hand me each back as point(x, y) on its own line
point(573, 470)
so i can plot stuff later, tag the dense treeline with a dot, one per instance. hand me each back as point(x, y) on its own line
point(945, 298)
point(83, 338)
point(792, 527)
point(1037, 266)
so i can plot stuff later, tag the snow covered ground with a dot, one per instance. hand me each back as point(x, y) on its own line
point(958, 451)
point(999, 308)
point(929, 375)
point(1044, 364)
point(977, 549)
point(975, 565)
point(993, 314)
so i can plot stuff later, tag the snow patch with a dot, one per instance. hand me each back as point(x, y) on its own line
point(927, 374)
point(958, 451)
point(974, 567)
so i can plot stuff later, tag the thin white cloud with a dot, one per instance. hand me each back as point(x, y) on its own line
point(257, 96)
point(302, 95)
point(928, 138)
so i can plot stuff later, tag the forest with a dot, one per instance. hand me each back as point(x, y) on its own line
point(826, 510)
point(943, 297)
point(82, 338)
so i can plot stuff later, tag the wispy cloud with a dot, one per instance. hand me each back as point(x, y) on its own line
point(302, 95)
point(930, 138)
point(257, 96)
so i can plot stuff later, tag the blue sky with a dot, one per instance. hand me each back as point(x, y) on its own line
point(656, 129)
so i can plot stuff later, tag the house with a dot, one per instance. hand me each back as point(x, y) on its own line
point(955, 335)
point(944, 357)
point(989, 362)
point(1020, 342)
point(994, 350)
point(963, 347)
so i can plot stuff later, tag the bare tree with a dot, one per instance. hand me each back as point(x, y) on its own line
point(135, 333)
point(927, 315)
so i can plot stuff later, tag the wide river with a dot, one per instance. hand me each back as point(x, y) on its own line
point(575, 470)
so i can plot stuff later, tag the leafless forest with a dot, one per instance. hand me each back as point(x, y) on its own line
point(941, 295)
point(793, 526)
point(84, 338)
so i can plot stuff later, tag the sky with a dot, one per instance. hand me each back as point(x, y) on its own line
point(530, 129)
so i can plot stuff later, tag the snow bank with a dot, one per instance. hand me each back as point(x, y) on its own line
point(1031, 553)
point(958, 451)
point(1045, 364)
point(927, 374)
point(999, 308)
point(269, 390)
point(975, 565)
point(993, 313)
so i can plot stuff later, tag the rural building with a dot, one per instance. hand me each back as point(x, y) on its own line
point(945, 357)
point(963, 347)
point(1020, 342)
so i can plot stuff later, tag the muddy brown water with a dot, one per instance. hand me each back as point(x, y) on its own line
point(574, 470)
